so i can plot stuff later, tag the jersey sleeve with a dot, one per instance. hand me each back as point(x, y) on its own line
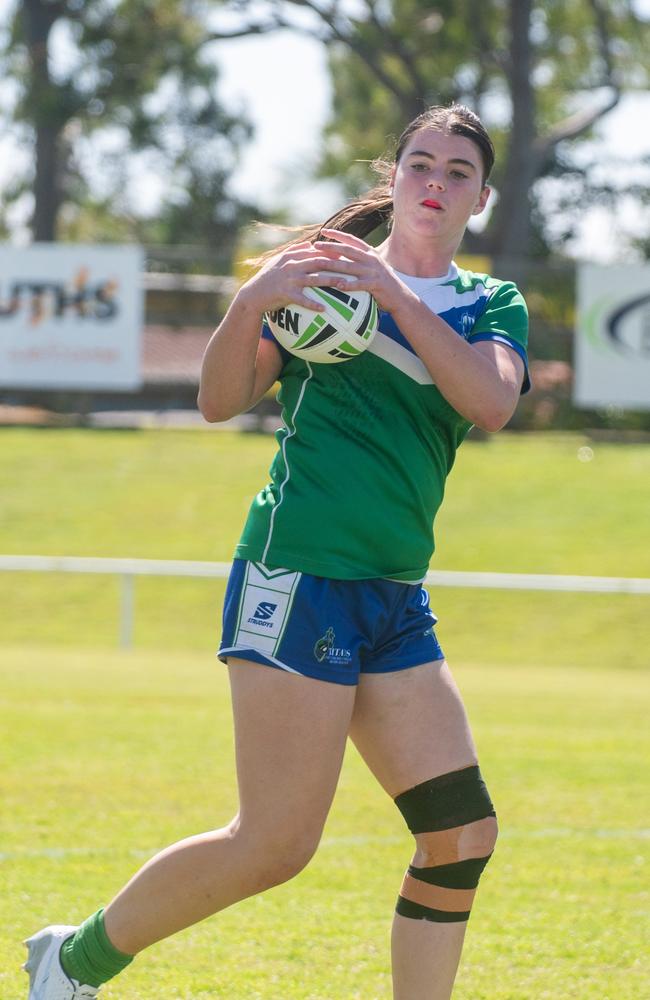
point(267, 335)
point(505, 320)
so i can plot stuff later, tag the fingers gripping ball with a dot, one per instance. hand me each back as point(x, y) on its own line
point(341, 332)
point(453, 820)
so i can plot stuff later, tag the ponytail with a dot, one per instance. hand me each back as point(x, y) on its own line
point(373, 209)
point(360, 218)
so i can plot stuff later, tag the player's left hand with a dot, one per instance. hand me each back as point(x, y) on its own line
point(362, 266)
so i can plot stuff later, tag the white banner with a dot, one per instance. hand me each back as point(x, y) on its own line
point(612, 355)
point(70, 316)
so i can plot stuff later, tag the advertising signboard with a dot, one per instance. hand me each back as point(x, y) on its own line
point(70, 316)
point(612, 356)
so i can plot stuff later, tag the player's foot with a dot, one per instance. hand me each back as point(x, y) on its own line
point(47, 980)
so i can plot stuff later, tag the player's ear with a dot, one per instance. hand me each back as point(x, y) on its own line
point(482, 200)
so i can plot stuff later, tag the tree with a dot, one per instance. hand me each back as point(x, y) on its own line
point(550, 69)
point(134, 74)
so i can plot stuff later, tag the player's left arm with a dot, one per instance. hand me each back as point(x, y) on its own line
point(510, 371)
point(481, 380)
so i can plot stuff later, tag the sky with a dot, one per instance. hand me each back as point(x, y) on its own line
point(288, 115)
point(281, 83)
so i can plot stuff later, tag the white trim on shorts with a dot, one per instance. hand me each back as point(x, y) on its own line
point(242, 650)
point(273, 591)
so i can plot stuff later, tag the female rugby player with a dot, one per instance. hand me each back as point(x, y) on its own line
point(327, 629)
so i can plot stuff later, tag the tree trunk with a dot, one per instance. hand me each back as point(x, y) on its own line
point(38, 19)
point(47, 194)
point(511, 232)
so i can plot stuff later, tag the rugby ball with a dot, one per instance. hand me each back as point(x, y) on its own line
point(341, 332)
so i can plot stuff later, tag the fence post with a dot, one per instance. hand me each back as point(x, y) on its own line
point(127, 610)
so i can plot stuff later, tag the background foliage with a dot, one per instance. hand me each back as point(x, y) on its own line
point(130, 90)
point(540, 74)
point(142, 77)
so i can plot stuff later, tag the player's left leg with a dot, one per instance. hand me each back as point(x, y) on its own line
point(412, 730)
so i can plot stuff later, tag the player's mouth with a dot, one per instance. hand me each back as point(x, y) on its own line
point(432, 203)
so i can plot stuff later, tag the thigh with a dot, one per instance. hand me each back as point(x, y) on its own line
point(411, 725)
point(290, 735)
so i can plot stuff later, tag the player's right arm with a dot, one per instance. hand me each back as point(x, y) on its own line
point(238, 366)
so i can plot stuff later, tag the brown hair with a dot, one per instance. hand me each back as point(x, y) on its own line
point(375, 207)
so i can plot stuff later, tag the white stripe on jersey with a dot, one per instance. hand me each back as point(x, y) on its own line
point(286, 462)
point(401, 358)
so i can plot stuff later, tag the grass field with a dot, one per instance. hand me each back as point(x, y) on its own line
point(108, 756)
point(515, 503)
point(560, 911)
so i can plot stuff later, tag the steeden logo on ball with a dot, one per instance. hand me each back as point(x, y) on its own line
point(343, 331)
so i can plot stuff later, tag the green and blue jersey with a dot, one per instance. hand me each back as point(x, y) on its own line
point(366, 446)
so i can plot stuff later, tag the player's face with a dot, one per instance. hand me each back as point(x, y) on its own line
point(438, 185)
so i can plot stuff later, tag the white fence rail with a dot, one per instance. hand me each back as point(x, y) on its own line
point(128, 569)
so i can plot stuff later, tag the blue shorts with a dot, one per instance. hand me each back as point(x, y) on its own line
point(332, 630)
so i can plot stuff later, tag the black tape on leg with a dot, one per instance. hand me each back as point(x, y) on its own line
point(453, 799)
point(444, 808)
point(461, 875)
point(415, 911)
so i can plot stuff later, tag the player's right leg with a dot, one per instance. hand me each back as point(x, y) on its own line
point(290, 734)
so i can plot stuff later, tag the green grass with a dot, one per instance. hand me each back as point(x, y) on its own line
point(110, 756)
point(107, 756)
point(515, 503)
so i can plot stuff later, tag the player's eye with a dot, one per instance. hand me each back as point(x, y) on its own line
point(458, 175)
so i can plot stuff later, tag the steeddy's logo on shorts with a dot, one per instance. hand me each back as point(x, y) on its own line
point(324, 649)
point(263, 612)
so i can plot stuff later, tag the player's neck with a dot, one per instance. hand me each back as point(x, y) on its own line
point(421, 259)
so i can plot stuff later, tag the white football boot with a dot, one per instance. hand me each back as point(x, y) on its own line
point(47, 980)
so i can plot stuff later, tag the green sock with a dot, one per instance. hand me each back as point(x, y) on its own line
point(89, 957)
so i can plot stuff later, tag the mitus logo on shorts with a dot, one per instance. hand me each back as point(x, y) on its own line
point(263, 612)
point(324, 649)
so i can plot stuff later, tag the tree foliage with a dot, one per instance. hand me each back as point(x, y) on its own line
point(541, 73)
point(137, 87)
point(107, 85)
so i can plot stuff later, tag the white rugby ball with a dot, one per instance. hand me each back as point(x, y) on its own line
point(341, 332)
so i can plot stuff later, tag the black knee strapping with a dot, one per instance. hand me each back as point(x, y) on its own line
point(457, 812)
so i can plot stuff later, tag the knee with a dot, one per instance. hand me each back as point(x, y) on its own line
point(455, 828)
point(276, 856)
point(466, 841)
point(289, 857)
